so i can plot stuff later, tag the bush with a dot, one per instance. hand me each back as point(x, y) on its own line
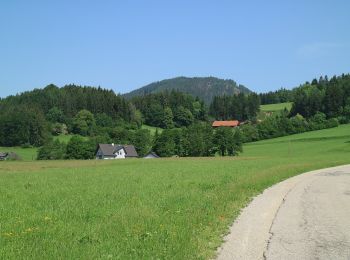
point(53, 150)
point(58, 129)
point(332, 122)
point(78, 148)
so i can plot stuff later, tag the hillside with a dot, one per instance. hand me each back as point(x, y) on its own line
point(203, 87)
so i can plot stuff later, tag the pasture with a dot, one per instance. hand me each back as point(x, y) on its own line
point(175, 208)
point(152, 129)
point(276, 107)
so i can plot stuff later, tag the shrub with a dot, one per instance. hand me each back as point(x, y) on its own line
point(53, 150)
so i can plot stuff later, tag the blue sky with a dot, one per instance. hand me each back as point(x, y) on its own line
point(123, 45)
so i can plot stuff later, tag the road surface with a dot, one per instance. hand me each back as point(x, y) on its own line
point(304, 217)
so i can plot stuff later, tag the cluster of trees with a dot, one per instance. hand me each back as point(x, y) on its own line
point(22, 125)
point(31, 117)
point(199, 139)
point(79, 147)
point(70, 99)
point(279, 96)
point(331, 97)
point(170, 109)
point(241, 107)
point(283, 124)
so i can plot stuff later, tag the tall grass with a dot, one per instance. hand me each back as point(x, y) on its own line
point(143, 209)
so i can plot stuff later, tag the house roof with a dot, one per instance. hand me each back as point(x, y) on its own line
point(130, 151)
point(231, 123)
point(151, 154)
point(107, 149)
point(110, 149)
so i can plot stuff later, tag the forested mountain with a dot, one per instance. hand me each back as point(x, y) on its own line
point(205, 88)
point(70, 99)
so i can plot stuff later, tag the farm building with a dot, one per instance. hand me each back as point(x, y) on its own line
point(231, 123)
point(151, 155)
point(9, 156)
point(113, 151)
point(3, 156)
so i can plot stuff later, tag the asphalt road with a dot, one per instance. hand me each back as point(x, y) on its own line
point(304, 217)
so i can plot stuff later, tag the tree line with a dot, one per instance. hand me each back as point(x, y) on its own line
point(199, 139)
point(283, 124)
point(96, 116)
point(331, 97)
point(240, 107)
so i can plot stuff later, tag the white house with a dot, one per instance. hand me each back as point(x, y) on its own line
point(112, 151)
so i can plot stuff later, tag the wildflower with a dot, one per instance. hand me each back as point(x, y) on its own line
point(29, 229)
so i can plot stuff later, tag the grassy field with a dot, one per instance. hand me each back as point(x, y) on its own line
point(26, 154)
point(63, 138)
point(152, 129)
point(276, 107)
point(175, 208)
point(66, 138)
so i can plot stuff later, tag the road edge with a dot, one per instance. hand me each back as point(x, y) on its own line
point(250, 233)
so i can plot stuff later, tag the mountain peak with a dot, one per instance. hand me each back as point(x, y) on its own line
point(203, 87)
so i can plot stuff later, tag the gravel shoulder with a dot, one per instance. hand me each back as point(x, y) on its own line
point(304, 217)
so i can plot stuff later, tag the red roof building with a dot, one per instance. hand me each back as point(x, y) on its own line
point(232, 123)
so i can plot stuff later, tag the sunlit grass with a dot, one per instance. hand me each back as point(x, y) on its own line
point(152, 129)
point(26, 154)
point(175, 208)
point(276, 107)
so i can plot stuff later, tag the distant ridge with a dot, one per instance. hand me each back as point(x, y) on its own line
point(203, 87)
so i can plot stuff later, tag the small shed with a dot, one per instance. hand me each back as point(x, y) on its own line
point(3, 156)
point(151, 155)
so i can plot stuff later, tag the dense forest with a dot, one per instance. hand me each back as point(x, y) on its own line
point(279, 96)
point(205, 88)
point(71, 99)
point(170, 109)
point(331, 97)
point(241, 107)
point(96, 115)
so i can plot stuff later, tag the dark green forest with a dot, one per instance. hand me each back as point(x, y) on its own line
point(205, 88)
point(96, 115)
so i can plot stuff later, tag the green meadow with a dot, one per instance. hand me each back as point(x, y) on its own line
point(152, 129)
point(26, 154)
point(273, 109)
point(176, 208)
point(276, 107)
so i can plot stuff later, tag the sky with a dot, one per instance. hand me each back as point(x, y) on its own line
point(126, 44)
